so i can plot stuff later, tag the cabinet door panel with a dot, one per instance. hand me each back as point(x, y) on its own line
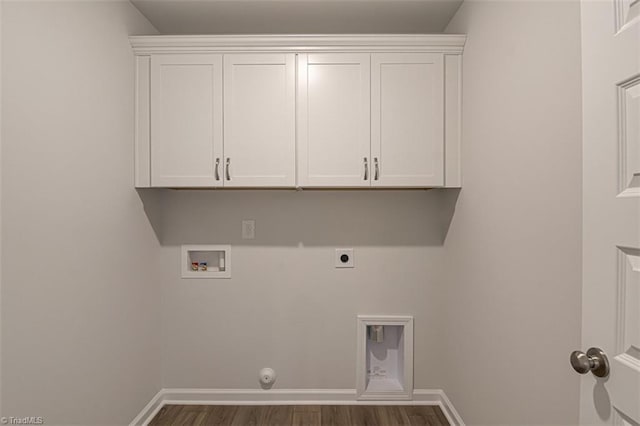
point(407, 104)
point(334, 124)
point(186, 120)
point(259, 120)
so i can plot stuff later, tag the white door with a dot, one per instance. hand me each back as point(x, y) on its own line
point(611, 203)
point(186, 120)
point(334, 120)
point(259, 120)
point(407, 122)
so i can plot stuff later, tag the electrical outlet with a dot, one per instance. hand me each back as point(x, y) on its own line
point(344, 258)
point(248, 229)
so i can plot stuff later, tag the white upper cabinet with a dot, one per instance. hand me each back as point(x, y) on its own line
point(308, 111)
point(186, 120)
point(259, 120)
point(407, 119)
point(333, 120)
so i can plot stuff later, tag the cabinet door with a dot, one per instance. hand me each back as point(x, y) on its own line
point(333, 121)
point(259, 120)
point(407, 116)
point(186, 120)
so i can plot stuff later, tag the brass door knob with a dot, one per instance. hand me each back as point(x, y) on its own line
point(595, 360)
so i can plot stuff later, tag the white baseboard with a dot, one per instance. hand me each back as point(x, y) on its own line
point(150, 410)
point(439, 398)
point(285, 397)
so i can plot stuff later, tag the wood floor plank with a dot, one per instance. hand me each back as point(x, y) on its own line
point(416, 420)
point(165, 416)
point(276, 415)
point(247, 415)
point(307, 415)
point(363, 415)
point(299, 415)
point(220, 415)
point(190, 415)
point(335, 415)
point(424, 415)
point(392, 415)
point(440, 414)
point(432, 417)
point(307, 408)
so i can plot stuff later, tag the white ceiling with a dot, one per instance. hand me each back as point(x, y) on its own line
point(298, 16)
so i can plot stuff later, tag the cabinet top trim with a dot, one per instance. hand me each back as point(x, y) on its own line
point(445, 43)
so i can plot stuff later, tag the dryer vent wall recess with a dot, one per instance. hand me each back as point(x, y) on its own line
point(385, 358)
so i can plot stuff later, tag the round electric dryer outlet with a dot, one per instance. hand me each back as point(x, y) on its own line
point(267, 377)
point(344, 258)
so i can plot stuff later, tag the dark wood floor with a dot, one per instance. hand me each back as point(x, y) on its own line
point(299, 415)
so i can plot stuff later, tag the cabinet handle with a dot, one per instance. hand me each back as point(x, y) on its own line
point(366, 169)
point(228, 168)
point(377, 166)
point(217, 169)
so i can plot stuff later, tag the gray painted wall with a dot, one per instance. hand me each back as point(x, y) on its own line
point(514, 247)
point(286, 306)
point(80, 301)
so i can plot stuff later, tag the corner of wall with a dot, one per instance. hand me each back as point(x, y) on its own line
point(143, 16)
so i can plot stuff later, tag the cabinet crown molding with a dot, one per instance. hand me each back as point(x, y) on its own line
point(443, 43)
